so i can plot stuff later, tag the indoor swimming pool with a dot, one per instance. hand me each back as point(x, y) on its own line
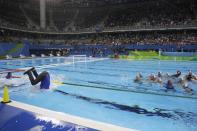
point(104, 90)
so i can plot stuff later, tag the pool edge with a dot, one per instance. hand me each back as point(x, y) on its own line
point(69, 118)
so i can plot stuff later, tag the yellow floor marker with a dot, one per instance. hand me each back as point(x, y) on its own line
point(6, 98)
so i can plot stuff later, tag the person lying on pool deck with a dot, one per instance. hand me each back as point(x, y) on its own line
point(43, 77)
point(10, 76)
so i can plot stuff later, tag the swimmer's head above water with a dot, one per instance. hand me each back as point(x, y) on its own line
point(178, 73)
point(190, 76)
point(169, 85)
point(9, 75)
point(152, 77)
point(159, 74)
point(138, 77)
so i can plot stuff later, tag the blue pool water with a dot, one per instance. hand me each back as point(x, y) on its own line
point(104, 91)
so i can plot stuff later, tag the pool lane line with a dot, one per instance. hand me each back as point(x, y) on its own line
point(125, 90)
point(30, 59)
point(120, 65)
point(122, 70)
point(69, 63)
point(132, 66)
point(108, 84)
point(54, 65)
point(85, 72)
point(11, 70)
point(40, 67)
point(145, 60)
point(112, 68)
point(59, 64)
point(101, 69)
point(4, 68)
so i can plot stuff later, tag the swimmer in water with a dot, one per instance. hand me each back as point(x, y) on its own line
point(152, 78)
point(190, 76)
point(138, 77)
point(159, 74)
point(159, 80)
point(10, 76)
point(43, 77)
point(183, 83)
point(187, 88)
point(178, 73)
point(169, 85)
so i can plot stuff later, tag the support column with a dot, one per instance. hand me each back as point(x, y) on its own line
point(43, 14)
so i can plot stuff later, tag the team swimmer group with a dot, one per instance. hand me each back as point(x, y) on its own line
point(177, 78)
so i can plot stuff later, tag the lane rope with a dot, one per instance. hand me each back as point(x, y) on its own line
point(123, 90)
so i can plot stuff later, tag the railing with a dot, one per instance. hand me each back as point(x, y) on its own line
point(105, 29)
point(168, 47)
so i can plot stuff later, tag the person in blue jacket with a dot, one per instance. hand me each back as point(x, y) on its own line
point(43, 77)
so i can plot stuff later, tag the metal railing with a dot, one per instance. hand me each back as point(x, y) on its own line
point(9, 26)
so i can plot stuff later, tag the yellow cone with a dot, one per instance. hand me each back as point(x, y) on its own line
point(6, 98)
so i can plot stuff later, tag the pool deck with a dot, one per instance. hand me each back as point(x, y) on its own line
point(17, 116)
